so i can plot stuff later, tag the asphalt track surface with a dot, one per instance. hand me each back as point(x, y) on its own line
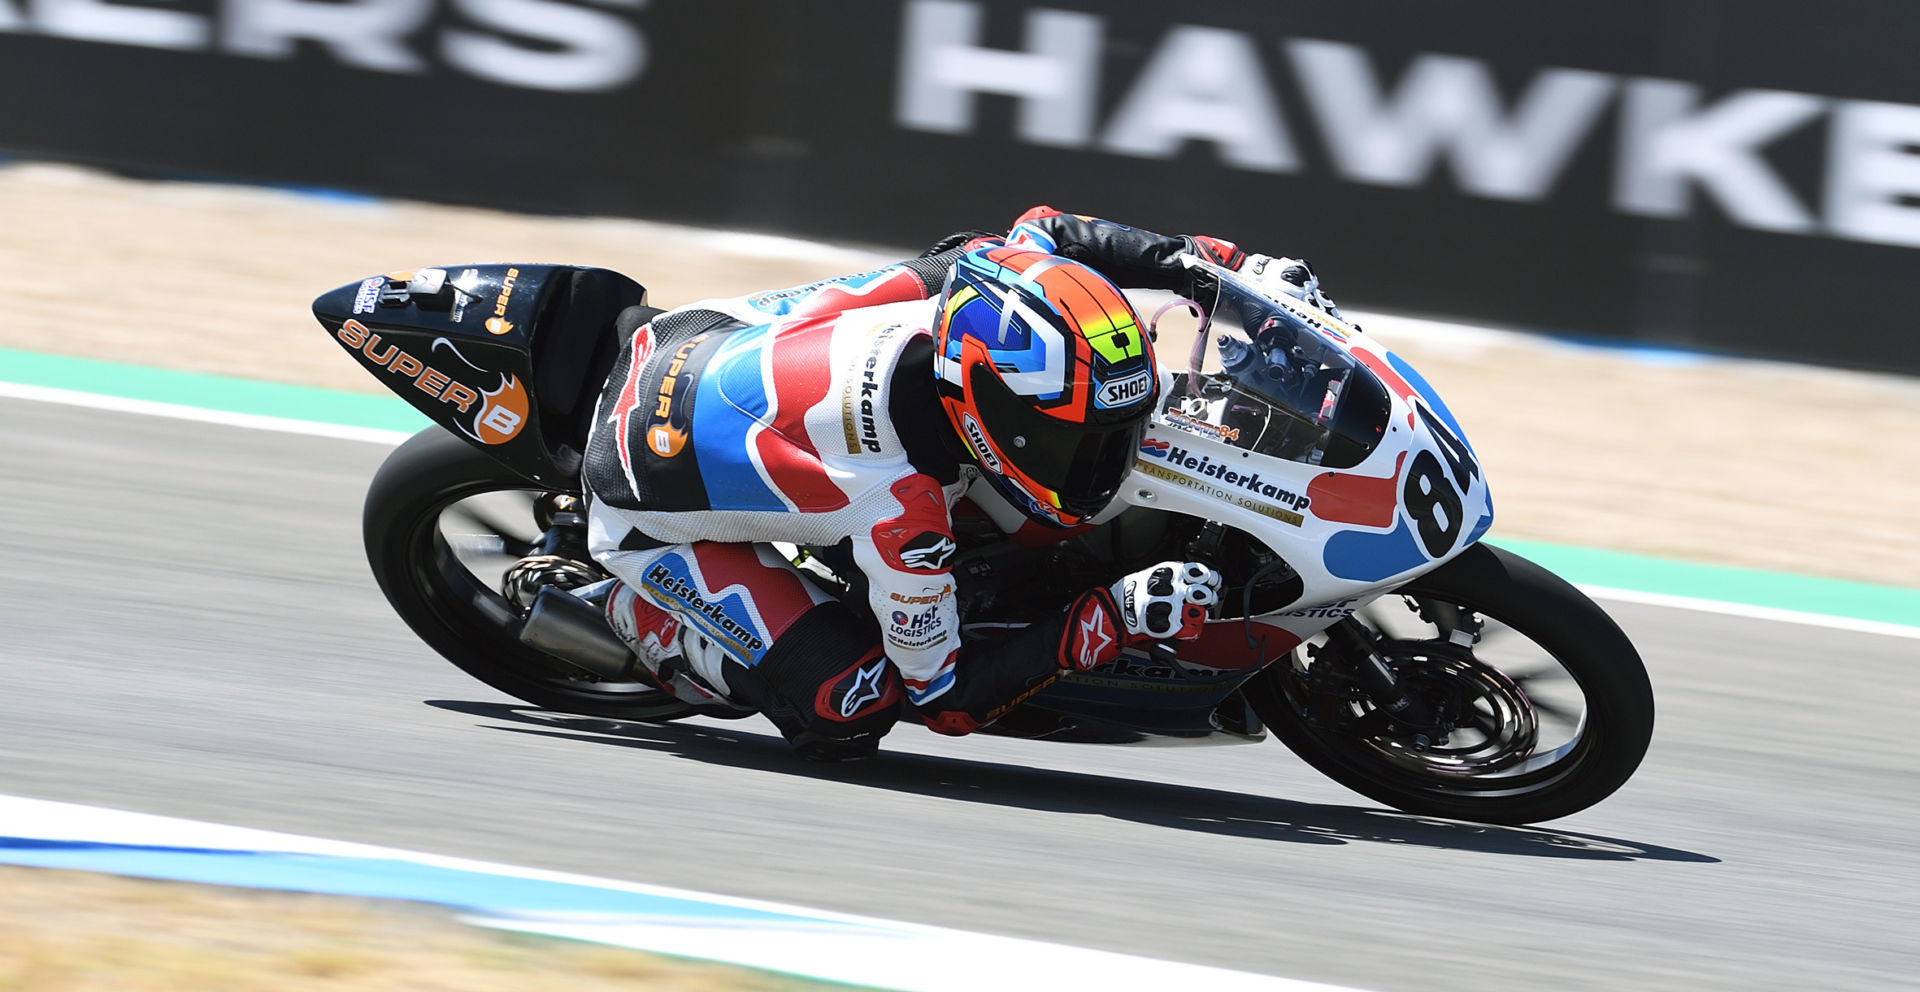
point(190, 629)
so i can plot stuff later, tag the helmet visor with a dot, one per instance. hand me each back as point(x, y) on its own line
point(1083, 464)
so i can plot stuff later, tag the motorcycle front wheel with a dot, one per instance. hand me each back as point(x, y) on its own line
point(443, 522)
point(1530, 702)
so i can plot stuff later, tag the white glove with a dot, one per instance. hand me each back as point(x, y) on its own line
point(1287, 277)
point(1167, 601)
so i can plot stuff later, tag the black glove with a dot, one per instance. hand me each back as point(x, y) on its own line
point(954, 240)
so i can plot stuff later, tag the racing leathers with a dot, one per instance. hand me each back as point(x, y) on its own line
point(809, 416)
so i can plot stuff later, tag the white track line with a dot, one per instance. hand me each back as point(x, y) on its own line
point(177, 411)
point(1749, 612)
point(288, 425)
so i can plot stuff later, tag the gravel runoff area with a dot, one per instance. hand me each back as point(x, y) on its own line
point(63, 931)
point(1759, 464)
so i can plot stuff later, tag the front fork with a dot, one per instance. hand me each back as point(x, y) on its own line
point(1392, 691)
point(1384, 686)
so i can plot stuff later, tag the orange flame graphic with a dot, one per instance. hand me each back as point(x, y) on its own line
point(504, 414)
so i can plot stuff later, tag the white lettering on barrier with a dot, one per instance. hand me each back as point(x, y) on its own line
point(1054, 79)
point(365, 34)
point(1208, 84)
point(1873, 180)
point(119, 24)
point(1197, 87)
point(534, 44)
point(584, 50)
point(1450, 103)
point(1666, 147)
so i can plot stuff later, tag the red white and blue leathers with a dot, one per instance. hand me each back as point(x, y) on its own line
point(809, 416)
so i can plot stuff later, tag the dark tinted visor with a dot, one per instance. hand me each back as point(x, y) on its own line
point(1084, 464)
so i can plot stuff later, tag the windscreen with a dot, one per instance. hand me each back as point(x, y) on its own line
point(1275, 380)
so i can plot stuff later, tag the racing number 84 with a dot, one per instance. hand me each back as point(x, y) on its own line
point(1431, 498)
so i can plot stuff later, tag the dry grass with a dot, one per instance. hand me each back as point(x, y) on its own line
point(63, 931)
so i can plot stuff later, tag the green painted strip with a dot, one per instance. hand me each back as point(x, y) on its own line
point(228, 394)
point(1750, 587)
point(1588, 566)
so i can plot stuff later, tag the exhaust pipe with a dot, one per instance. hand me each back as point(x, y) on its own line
point(574, 630)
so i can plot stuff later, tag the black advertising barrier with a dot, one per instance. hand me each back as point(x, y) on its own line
point(1743, 177)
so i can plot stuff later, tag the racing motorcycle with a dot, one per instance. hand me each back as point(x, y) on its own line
point(1363, 622)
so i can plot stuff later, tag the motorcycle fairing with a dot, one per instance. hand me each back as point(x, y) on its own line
point(1416, 498)
point(1169, 697)
point(508, 357)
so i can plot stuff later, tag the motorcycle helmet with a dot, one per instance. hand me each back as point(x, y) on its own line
point(1046, 375)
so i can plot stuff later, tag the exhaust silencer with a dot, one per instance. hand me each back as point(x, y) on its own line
point(575, 631)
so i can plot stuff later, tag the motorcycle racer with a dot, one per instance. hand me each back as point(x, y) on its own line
point(857, 411)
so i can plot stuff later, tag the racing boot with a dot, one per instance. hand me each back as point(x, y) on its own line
point(678, 658)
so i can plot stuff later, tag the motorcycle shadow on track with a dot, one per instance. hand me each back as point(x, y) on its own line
point(1159, 804)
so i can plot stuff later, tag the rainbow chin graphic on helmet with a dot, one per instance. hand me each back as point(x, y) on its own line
point(502, 412)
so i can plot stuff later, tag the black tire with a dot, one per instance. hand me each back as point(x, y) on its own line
point(457, 614)
point(1557, 618)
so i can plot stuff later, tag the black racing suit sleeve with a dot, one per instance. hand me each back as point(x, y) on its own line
point(1128, 255)
point(994, 675)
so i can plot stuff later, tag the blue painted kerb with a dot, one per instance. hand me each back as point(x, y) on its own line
point(375, 878)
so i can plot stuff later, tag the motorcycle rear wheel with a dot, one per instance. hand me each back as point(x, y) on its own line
point(1510, 779)
point(458, 613)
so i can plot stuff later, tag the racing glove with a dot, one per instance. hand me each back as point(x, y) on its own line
point(1288, 277)
point(963, 240)
point(1166, 602)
